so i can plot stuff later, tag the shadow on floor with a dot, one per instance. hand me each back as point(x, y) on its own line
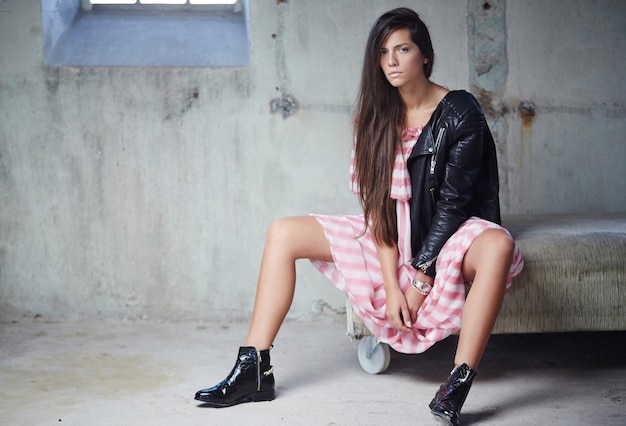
point(516, 352)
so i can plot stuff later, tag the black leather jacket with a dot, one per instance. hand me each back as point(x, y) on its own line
point(454, 175)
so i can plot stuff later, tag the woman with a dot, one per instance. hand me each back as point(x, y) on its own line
point(424, 168)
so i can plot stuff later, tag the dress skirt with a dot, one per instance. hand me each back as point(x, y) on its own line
point(356, 271)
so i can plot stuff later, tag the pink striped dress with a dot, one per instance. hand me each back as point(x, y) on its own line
point(356, 270)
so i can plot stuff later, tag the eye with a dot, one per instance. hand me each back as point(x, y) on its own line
point(383, 52)
point(403, 49)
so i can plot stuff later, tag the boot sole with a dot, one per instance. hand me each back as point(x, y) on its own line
point(442, 419)
point(256, 397)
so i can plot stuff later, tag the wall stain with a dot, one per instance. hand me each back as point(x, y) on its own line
point(488, 72)
point(527, 114)
point(52, 79)
point(490, 103)
point(285, 105)
point(188, 100)
point(191, 99)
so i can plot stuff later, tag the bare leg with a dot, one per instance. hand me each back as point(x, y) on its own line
point(287, 240)
point(486, 265)
point(252, 378)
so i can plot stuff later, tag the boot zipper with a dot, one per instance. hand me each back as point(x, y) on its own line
point(433, 161)
point(258, 371)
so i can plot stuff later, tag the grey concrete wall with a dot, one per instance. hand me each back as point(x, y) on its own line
point(566, 58)
point(146, 192)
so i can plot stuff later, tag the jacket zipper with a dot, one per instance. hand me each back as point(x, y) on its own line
point(433, 161)
point(425, 265)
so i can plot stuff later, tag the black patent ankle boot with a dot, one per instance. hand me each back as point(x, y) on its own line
point(251, 379)
point(448, 401)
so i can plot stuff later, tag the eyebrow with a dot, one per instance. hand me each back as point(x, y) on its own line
point(397, 45)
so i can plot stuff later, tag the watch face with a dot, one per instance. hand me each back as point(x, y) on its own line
point(422, 287)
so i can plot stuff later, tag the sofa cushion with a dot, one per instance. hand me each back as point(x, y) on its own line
point(574, 277)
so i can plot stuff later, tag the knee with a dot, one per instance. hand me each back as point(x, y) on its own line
point(493, 248)
point(283, 233)
point(278, 230)
point(499, 244)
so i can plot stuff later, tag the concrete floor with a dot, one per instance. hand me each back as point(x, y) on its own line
point(146, 373)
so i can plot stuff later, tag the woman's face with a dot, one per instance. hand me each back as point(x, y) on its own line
point(401, 60)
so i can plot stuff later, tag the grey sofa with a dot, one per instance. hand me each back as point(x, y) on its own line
point(574, 277)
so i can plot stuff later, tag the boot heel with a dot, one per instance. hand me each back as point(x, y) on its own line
point(442, 420)
point(263, 396)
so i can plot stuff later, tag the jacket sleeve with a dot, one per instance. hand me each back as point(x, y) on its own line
point(462, 156)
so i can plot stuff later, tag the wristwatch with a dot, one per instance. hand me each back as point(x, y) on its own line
point(423, 287)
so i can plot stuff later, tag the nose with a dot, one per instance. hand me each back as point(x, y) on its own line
point(391, 59)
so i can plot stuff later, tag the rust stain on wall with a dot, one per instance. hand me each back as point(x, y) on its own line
point(485, 99)
point(527, 113)
point(490, 103)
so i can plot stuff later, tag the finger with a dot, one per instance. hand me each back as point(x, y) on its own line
point(406, 315)
point(400, 324)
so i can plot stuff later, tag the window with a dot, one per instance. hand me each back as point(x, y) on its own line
point(176, 33)
point(149, 3)
point(192, 2)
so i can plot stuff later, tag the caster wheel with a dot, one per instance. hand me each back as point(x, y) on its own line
point(374, 356)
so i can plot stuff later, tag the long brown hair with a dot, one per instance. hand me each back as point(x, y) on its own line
point(380, 119)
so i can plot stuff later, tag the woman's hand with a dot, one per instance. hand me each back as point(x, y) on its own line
point(414, 298)
point(397, 311)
